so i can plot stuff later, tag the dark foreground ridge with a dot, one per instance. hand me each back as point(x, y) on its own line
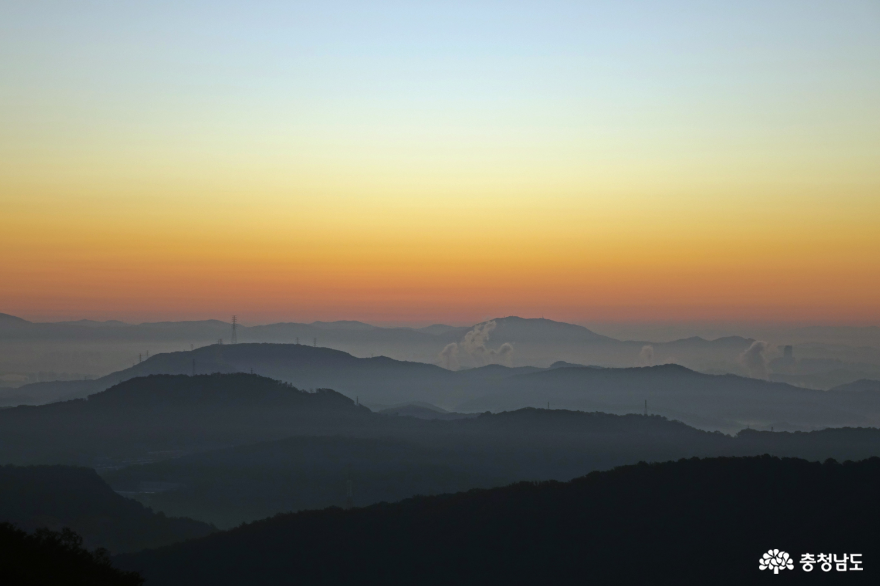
point(687, 522)
point(49, 557)
point(56, 497)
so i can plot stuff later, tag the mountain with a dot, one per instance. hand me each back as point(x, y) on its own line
point(847, 443)
point(437, 329)
point(860, 386)
point(49, 557)
point(60, 496)
point(245, 483)
point(10, 320)
point(88, 348)
point(155, 416)
point(383, 379)
point(688, 522)
point(48, 392)
point(724, 402)
point(78, 350)
point(714, 402)
point(422, 410)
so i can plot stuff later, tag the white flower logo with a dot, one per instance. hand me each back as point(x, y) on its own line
point(775, 560)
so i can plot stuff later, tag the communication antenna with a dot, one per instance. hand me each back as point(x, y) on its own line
point(234, 333)
point(194, 366)
point(139, 358)
point(297, 341)
point(646, 407)
point(315, 342)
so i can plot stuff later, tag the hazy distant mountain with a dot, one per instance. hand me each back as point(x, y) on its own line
point(707, 401)
point(564, 364)
point(437, 329)
point(86, 345)
point(860, 386)
point(62, 496)
point(424, 411)
point(839, 444)
point(342, 325)
point(520, 330)
point(11, 321)
point(380, 379)
point(722, 402)
point(86, 349)
point(698, 521)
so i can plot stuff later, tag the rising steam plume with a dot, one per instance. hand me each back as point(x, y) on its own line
point(754, 360)
point(473, 345)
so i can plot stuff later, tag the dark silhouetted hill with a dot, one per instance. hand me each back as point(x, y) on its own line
point(167, 413)
point(60, 496)
point(410, 457)
point(245, 483)
point(687, 522)
point(49, 558)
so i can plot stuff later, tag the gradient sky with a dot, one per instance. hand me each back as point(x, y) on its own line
point(440, 161)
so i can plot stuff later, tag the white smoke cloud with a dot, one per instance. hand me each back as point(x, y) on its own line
point(449, 356)
point(474, 346)
point(474, 342)
point(646, 356)
point(505, 354)
point(754, 360)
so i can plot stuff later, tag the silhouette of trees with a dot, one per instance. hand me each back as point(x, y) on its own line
point(55, 558)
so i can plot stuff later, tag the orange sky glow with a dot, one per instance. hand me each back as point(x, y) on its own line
point(722, 165)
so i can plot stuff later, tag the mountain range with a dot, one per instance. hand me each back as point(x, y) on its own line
point(695, 521)
point(56, 497)
point(44, 352)
point(713, 402)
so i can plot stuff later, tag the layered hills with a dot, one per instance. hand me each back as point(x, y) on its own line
point(687, 522)
point(713, 402)
point(58, 497)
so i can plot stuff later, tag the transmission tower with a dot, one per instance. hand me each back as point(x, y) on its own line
point(234, 333)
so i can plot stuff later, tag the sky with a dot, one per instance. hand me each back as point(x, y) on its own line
point(419, 162)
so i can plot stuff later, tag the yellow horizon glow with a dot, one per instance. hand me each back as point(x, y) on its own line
point(579, 182)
